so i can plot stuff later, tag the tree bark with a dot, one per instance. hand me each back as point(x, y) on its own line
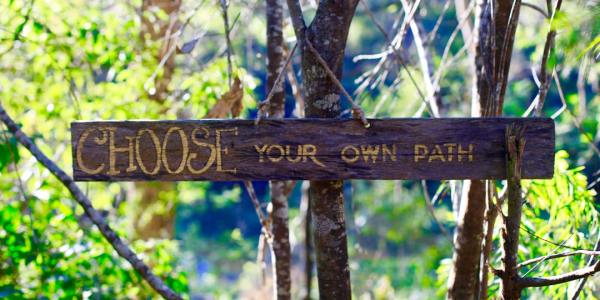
point(308, 245)
point(464, 280)
point(494, 40)
point(327, 33)
point(280, 228)
point(515, 144)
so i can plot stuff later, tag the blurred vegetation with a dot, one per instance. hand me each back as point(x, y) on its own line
point(67, 60)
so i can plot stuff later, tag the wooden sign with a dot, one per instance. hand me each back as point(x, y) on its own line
point(314, 149)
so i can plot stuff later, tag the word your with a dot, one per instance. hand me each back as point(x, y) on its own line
point(137, 151)
point(276, 153)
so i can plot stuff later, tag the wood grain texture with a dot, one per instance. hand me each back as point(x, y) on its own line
point(230, 150)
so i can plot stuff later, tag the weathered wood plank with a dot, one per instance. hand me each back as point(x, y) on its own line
point(229, 150)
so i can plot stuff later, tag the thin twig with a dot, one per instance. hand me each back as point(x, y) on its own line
point(535, 7)
point(461, 23)
point(110, 235)
point(558, 255)
point(260, 257)
point(575, 120)
point(397, 55)
point(296, 92)
point(546, 240)
point(173, 47)
point(297, 19)
point(431, 210)
point(431, 36)
point(264, 105)
point(224, 8)
point(357, 112)
point(261, 215)
point(543, 258)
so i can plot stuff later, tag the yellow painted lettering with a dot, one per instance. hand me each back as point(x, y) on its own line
point(261, 152)
point(113, 150)
point(450, 147)
point(223, 150)
point(79, 154)
point(350, 158)
point(420, 152)
point(138, 155)
point(184, 150)
point(385, 150)
point(369, 151)
point(194, 155)
point(437, 153)
point(288, 154)
point(275, 158)
point(309, 151)
point(462, 152)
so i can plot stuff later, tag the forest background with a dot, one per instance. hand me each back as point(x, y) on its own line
point(68, 60)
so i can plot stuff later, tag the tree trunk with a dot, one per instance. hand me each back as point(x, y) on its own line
point(464, 280)
point(495, 38)
point(280, 229)
point(327, 33)
point(308, 246)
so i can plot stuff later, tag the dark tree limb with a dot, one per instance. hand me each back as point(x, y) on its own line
point(515, 145)
point(496, 24)
point(590, 263)
point(110, 235)
point(558, 279)
point(545, 76)
point(224, 12)
point(297, 19)
point(491, 215)
point(279, 199)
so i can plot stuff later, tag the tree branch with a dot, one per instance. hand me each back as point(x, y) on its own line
point(535, 7)
point(558, 279)
point(515, 145)
point(264, 105)
point(546, 77)
point(590, 263)
point(297, 18)
point(357, 111)
point(558, 255)
point(261, 216)
point(431, 210)
point(111, 236)
point(224, 8)
point(394, 46)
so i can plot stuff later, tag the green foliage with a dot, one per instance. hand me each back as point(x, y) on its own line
point(559, 215)
point(50, 250)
